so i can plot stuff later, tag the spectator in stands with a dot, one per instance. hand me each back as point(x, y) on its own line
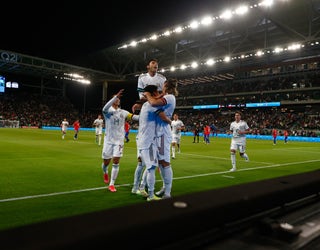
point(239, 128)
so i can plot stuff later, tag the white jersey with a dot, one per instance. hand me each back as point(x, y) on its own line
point(114, 120)
point(146, 79)
point(99, 125)
point(235, 127)
point(64, 125)
point(168, 108)
point(176, 127)
point(147, 126)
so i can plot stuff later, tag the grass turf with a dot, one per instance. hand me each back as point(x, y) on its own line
point(43, 177)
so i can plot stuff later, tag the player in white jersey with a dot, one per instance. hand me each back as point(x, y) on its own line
point(64, 127)
point(151, 77)
point(146, 145)
point(239, 128)
point(176, 127)
point(164, 136)
point(115, 118)
point(98, 124)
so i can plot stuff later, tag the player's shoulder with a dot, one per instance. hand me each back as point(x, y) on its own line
point(161, 76)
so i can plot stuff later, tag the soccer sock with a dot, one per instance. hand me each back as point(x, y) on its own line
point(114, 173)
point(173, 151)
point(100, 139)
point(104, 168)
point(143, 182)
point(167, 178)
point(233, 160)
point(151, 179)
point(137, 175)
point(245, 156)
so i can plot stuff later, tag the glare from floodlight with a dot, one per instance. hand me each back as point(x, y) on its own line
point(178, 29)
point(194, 65)
point(194, 25)
point(206, 20)
point(259, 53)
point(227, 59)
point(153, 37)
point(210, 62)
point(144, 40)
point(242, 10)
point(173, 68)
point(278, 50)
point(183, 66)
point(266, 3)
point(167, 33)
point(226, 15)
point(133, 43)
point(294, 47)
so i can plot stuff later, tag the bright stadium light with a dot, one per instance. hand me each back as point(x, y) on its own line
point(206, 20)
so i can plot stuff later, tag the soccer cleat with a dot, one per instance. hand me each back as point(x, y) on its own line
point(142, 192)
point(160, 192)
point(106, 178)
point(233, 170)
point(112, 188)
point(247, 159)
point(154, 198)
point(134, 191)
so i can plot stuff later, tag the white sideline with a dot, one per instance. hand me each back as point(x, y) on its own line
point(177, 178)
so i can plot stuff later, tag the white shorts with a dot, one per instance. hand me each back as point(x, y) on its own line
point(148, 156)
point(164, 144)
point(238, 145)
point(176, 138)
point(98, 131)
point(112, 150)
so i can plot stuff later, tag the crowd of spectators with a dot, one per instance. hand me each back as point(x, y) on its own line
point(301, 120)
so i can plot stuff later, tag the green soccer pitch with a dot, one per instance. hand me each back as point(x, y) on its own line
point(43, 177)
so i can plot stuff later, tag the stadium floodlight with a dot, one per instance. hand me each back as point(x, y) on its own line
point(194, 25)
point(210, 62)
point(178, 29)
point(207, 20)
point(194, 65)
point(226, 15)
point(75, 77)
point(227, 59)
point(154, 37)
point(173, 68)
point(183, 66)
point(266, 3)
point(133, 43)
point(242, 10)
point(167, 33)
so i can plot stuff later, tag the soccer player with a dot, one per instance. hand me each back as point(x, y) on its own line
point(285, 135)
point(115, 118)
point(76, 127)
point(127, 131)
point(147, 144)
point(196, 133)
point(164, 135)
point(274, 135)
point(64, 127)
point(239, 128)
point(151, 77)
point(176, 127)
point(206, 134)
point(98, 123)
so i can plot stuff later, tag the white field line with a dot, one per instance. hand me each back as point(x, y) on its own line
point(177, 178)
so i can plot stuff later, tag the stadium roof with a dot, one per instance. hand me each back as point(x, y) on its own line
point(240, 38)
